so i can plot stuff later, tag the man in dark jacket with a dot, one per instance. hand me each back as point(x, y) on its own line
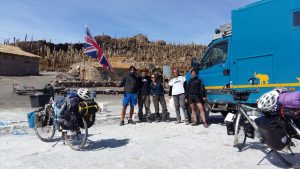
point(195, 92)
point(130, 83)
point(157, 91)
point(144, 95)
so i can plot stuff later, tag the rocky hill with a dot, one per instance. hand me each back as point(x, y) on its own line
point(137, 50)
point(121, 52)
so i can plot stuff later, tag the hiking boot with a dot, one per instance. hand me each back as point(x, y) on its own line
point(167, 120)
point(195, 124)
point(130, 121)
point(122, 123)
point(158, 119)
point(187, 122)
point(178, 121)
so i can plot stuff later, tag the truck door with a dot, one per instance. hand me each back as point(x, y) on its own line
point(215, 71)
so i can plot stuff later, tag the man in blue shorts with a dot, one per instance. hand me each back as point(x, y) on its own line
point(130, 84)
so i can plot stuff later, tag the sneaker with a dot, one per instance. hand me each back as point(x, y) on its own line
point(130, 121)
point(122, 123)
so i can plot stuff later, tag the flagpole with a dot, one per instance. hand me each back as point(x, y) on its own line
point(83, 69)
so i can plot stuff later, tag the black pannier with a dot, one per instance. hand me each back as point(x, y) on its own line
point(88, 109)
point(249, 130)
point(230, 128)
point(42, 119)
point(273, 132)
point(291, 112)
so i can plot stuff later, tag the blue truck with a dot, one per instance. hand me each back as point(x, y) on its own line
point(262, 43)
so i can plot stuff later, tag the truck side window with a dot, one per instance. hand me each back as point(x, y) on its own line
point(296, 18)
point(215, 55)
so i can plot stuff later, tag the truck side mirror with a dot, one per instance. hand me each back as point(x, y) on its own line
point(253, 81)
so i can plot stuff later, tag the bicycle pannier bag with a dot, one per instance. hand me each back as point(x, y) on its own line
point(273, 132)
point(88, 109)
point(38, 120)
point(249, 130)
point(30, 118)
point(290, 100)
point(291, 113)
point(229, 122)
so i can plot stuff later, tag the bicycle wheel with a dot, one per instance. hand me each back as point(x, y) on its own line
point(45, 132)
point(44, 126)
point(76, 138)
point(240, 132)
point(241, 137)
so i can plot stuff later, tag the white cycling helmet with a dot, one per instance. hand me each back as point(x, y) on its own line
point(84, 94)
point(268, 101)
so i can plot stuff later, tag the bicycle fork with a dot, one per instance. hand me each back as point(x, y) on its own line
point(241, 113)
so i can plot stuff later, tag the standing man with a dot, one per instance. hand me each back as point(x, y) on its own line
point(157, 92)
point(130, 84)
point(177, 84)
point(144, 95)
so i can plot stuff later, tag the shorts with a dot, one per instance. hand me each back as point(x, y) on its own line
point(129, 99)
point(195, 99)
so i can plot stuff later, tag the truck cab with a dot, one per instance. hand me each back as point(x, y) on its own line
point(262, 44)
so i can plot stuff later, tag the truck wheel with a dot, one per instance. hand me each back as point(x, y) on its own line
point(224, 113)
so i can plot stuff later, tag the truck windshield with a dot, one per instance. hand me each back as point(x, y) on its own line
point(215, 55)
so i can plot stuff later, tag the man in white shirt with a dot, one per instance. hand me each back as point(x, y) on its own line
point(178, 93)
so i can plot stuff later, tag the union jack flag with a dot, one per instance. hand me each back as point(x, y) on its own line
point(92, 49)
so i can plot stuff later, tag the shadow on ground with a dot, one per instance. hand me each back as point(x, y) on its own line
point(272, 157)
point(105, 143)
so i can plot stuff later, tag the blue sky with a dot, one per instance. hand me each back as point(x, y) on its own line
point(175, 21)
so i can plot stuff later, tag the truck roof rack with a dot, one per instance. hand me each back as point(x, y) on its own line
point(223, 31)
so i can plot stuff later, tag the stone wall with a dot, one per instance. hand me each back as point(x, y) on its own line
point(14, 65)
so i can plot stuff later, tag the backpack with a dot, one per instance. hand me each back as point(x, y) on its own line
point(70, 116)
point(87, 110)
point(290, 99)
point(273, 131)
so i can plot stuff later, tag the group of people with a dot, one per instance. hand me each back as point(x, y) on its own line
point(185, 93)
